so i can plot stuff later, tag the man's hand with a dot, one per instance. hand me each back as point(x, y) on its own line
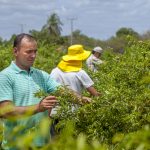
point(47, 103)
point(86, 99)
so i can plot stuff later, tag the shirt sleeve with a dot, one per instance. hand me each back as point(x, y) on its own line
point(85, 79)
point(6, 88)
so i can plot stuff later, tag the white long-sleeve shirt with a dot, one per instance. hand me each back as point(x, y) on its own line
point(92, 61)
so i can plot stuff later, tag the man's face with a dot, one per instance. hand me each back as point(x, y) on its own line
point(25, 54)
point(97, 54)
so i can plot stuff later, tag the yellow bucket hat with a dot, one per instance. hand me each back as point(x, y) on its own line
point(76, 52)
point(69, 66)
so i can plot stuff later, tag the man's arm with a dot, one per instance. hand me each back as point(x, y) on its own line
point(81, 98)
point(9, 110)
point(93, 91)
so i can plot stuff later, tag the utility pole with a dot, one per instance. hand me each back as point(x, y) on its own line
point(21, 28)
point(71, 34)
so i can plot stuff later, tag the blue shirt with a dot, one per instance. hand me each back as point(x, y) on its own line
point(20, 86)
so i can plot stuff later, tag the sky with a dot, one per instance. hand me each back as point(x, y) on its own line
point(99, 19)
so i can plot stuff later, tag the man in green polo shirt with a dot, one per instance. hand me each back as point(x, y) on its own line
point(18, 84)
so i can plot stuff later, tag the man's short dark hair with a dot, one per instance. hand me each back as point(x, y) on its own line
point(19, 37)
point(93, 52)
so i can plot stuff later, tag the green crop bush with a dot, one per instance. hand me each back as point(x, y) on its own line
point(48, 57)
point(124, 106)
point(119, 119)
point(135, 140)
point(5, 56)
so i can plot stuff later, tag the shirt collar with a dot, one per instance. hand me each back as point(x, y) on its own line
point(19, 70)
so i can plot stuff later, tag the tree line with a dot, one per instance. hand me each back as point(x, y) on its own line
point(50, 33)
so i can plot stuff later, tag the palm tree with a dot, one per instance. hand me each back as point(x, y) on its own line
point(53, 25)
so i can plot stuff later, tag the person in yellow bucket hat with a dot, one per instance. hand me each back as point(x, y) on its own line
point(69, 73)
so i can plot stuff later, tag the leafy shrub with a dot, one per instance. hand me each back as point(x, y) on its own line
point(118, 119)
point(125, 102)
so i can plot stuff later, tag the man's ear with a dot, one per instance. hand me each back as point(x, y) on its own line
point(15, 50)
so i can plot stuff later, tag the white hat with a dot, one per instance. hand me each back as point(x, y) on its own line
point(98, 49)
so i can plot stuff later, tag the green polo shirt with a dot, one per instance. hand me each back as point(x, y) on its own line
point(19, 87)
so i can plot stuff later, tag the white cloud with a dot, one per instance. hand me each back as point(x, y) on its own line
point(80, 3)
point(63, 9)
point(97, 18)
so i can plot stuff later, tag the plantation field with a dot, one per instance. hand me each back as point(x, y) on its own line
point(118, 120)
